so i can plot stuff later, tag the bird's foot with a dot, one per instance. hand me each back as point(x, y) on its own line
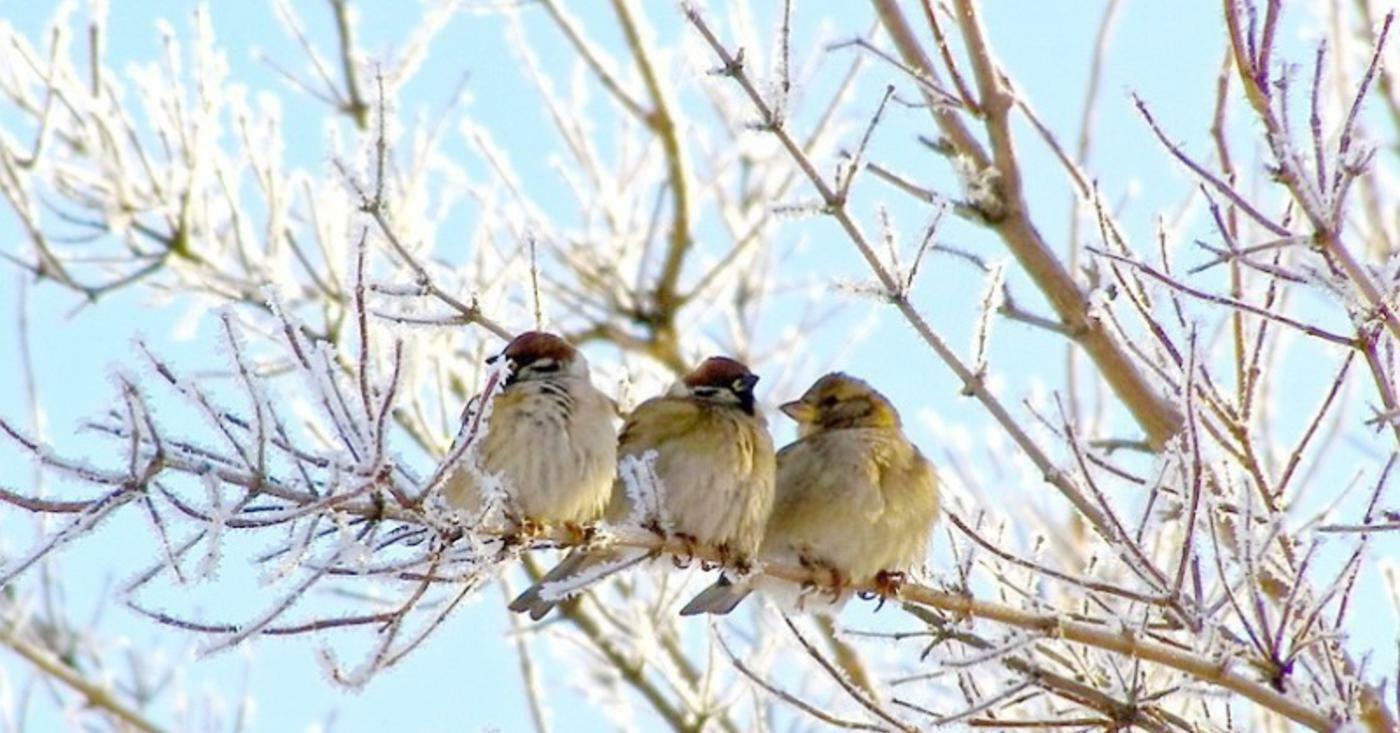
point(577, 533)
point(838, 584)
point(835, 579)
point(821, 575)
point(888, 584)
point(723, 554)
point(531, 529)
point(521, 530)
point(689, 541)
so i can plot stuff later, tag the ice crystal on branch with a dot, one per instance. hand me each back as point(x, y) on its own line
point(465, 454)
point(646, 495)
point(1166, 494)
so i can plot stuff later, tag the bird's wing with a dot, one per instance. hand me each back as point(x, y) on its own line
point(760, 493)
point(654, 422)
point(501, 432)
point(651, 426)
point(460, 485)
point(830, 468)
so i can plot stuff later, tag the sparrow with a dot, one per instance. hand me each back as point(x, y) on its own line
point(853, 495)
point(713, 461)
point(549, 437)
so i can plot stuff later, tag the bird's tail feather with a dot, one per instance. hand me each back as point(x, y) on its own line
point(575, 572)
point(719, 599)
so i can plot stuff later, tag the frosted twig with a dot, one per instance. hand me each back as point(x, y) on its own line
point(1174, 284)
point(844, 683)
point(982, 335)
point(789, 698)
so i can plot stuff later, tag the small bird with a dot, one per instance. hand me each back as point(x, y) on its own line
point(549, 437)
point(854, 496)
point(715, 466)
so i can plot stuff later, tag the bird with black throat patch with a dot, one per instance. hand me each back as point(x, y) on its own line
point(708, 449)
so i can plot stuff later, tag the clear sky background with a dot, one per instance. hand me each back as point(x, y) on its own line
point(466, 676)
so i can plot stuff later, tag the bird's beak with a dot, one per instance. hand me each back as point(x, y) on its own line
point(799, 411)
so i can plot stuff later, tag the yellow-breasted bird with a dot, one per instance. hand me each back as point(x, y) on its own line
point(853, 494)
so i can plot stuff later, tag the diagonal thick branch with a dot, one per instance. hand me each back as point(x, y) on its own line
point(1012, 221)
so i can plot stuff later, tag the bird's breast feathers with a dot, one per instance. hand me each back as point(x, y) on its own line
point(715, 464)
point(552, 440)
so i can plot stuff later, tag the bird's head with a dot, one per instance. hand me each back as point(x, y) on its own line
point(721, 380)
point(541, 355)
point(838, 401)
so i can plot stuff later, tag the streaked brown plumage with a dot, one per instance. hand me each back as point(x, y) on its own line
point(715, 463)
point(853, 494)
point(550, 436)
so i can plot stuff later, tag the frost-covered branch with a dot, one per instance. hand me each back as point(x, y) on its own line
point(1216, 538)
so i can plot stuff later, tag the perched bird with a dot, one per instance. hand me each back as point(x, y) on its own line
point(854, 496)
point(714, 465)
point(549, 436)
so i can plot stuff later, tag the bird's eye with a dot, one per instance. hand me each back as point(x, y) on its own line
point(829, 401)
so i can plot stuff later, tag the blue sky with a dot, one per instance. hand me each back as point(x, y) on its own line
point(466, 675)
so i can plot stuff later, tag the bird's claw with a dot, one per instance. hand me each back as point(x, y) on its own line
point(689, 541)
point(579, 534)
point(530, 528)
point(522, 529)
point(838, 586)
point(837, 579)
point(819, 571)
point(724, 553)
point(888, 584)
